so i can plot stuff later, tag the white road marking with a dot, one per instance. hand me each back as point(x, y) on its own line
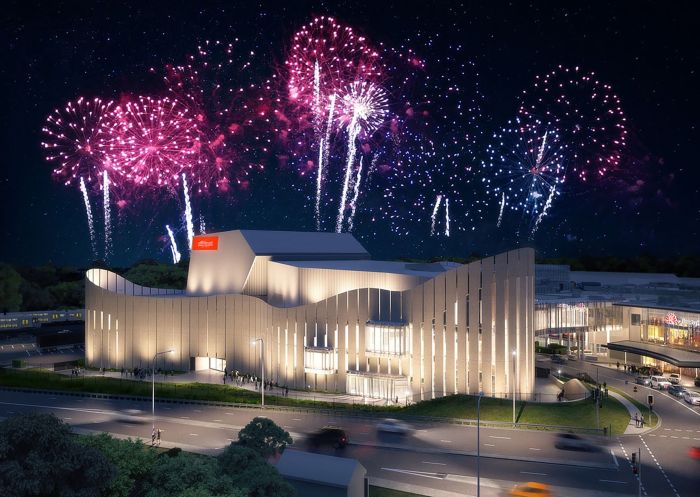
point(504, 438)
point(534, 448)
point(490, 445)
point(217, 421)
point(533, 473)
point(436, 463)
point(446, 441)
point(193, 435)
point(184, 417)
point(614, 481)
point(296, 419)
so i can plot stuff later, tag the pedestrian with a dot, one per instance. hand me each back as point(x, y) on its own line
point(224, 378)
point(641, 421)
point(636, 420)
point(158, 436)
point(286, 391)
point(618, 365)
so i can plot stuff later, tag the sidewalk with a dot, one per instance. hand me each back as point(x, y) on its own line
point(631, 428)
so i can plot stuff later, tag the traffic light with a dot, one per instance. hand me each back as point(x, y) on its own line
point(634, 463)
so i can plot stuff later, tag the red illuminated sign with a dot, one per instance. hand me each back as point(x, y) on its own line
point(205, 243)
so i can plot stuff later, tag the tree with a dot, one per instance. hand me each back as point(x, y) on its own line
point(247, 470)
point(10, 284)
point(39, 457)
point(187, 475)
point(264, 437)
point(132, 460)
point(157, 275)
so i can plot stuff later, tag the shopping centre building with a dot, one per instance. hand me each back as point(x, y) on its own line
point(327, 317)
point(644, 319)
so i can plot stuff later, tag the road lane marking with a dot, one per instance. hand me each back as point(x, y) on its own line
point(296, 419)
point(534, 448)
point(533, 473)
point(504, 438)
point(490, 445)
point(436, 463)
point(614, 481)
point(217, 421)
point(425, 474)
point(447, 441)
point(193, 435)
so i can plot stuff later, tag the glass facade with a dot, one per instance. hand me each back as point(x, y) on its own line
point(386, 339)
point(320, 360)
point(378, 386)
point(673, 328)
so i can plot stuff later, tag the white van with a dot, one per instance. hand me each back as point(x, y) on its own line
point(660, 382)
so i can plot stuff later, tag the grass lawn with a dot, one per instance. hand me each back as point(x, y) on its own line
point(644, 409)
point(387, 492)
point(581, 414)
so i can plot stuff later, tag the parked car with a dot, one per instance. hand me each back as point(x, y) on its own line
point(572, 357)
point(558, 359)
point(329, 436)
point(531, 489)
point(692, 398)
point(676, 390)
point(394, 426)
point(674, 378)
point(571, 441)
point(643, 380)
point(697, 381)
point(660, 382)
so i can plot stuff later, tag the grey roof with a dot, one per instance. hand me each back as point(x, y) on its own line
point(318, 468)
point(677, 357)
point(394, 267)
point(619, 278)
point(264, 242)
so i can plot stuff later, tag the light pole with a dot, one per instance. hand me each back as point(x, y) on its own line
point(262, 367)
point(478, 444)
point(513, 387)
point(153, 385)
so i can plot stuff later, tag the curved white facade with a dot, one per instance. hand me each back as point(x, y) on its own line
point(433, 334)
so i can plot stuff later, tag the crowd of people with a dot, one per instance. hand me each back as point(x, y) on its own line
point(241, 379)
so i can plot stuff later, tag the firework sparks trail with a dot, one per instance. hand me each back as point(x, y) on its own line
point(88, 211)
point(319, 183)
point(447, 217)
point(107, 214)
point(438, 200)
point(173, 245)
point(500, 212)
point(188, 213)
point(356, 194)
point(323, 159)
point(545, 210)
point(202, 225)
point(317, 98)
point(365, 107)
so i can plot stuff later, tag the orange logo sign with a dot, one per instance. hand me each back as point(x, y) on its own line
point(205, 243)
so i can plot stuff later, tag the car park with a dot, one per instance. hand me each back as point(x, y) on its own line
point(660, 382)
point(676, 390)
point(691, 397)
point(674, 378)
point(329, 436)
point(643, 380)
point(394, 426)
point(570, 441)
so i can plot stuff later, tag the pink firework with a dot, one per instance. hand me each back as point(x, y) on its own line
point(72, 137)
point(587, 114)
point(232, 113)
point(324, 58)
point(151, 142)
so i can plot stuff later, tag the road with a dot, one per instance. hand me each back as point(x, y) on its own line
point(436, 456)
point(666, 468)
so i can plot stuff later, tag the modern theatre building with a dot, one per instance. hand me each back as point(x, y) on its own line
point(329, 317)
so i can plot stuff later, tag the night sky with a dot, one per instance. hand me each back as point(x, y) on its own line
point(55, 52)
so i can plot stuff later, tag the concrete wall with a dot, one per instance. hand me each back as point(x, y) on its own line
point(461, 328)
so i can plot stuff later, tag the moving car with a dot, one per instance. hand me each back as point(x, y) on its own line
point(329, 436)
point(674, 378)
point(133, 416)
point(531, 489)
point(573, 442)
point(676, 390)
point(643, 380)
point(394, 426)
point(660, 382)
point(694, 452)
point(692, 398)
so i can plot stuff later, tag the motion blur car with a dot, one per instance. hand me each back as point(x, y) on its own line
point(694, 452)
point(643, 380)
point(331, 436)
point(570, 441)
point(531, 489)
point(676, 390)
point(674, 378)
point(394, 426)
point(132, 416)
point(692, 398)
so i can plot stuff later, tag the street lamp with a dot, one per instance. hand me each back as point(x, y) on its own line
point(478, 444)
point(513, 386)
point(262, 367)
point(153, 384)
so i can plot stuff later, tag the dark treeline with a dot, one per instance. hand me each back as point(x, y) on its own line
point(25, 288)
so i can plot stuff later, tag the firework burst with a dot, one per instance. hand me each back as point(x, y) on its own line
point(587, 114)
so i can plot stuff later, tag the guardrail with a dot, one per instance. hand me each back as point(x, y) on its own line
point(350, 413)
